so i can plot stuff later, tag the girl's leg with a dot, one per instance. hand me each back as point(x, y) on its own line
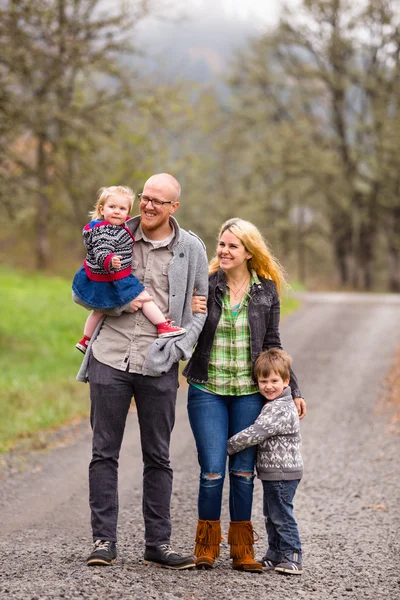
point(208, 417)
point(91, 323)
point(165, 328)
point(243, 411)
point(150, 309)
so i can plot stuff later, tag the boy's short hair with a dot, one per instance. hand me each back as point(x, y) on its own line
point(275, 360)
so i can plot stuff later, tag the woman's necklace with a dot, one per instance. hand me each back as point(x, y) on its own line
point(236, 293)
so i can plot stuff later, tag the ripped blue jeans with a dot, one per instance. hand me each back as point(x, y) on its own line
point(213, 420)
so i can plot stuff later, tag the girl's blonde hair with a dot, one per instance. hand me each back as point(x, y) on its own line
point(262, 261)
point(105, 193)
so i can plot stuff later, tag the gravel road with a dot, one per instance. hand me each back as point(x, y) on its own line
point(348, 504)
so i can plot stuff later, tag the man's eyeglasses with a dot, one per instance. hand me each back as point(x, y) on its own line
point(154, 201)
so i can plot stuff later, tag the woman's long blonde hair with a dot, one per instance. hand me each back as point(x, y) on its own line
point(262, 261)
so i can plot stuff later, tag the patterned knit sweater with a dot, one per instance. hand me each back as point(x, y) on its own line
point(277, 433)
point(103, 241)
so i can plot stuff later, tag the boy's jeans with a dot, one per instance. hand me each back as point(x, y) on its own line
point(281, 526)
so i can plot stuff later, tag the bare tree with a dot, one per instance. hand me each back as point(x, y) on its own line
point(322, 92)
point(65, 74)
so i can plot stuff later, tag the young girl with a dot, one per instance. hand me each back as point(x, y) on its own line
point(105, 279)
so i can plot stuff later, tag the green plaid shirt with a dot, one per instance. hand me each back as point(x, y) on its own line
point(229, 371)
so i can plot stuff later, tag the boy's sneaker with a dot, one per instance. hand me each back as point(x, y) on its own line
point(289, 567)
point(104, 553)
point(164, 556)
point(268, 564)
point(83, 344)
point(166, 329)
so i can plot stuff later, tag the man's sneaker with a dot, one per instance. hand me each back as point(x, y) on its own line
point(83, 344)
point(104, 553)
point(164, 556)
point(289, 567)
point(268, 564)
point(166, 329)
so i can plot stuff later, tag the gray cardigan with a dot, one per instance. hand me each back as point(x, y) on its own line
point(277, 433)
point(187, 271)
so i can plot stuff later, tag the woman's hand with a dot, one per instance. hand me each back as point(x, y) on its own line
point(199, 304)
point(301, 407)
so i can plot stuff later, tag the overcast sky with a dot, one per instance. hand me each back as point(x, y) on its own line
point(266, 9)
point(264, 12)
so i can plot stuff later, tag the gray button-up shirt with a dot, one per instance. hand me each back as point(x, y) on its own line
point(123, 341)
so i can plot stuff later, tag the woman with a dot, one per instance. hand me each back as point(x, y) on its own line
point(243, 319)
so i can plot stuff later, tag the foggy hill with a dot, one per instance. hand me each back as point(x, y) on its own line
point(199, 46)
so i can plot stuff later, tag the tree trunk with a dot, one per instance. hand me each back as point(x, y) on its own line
point(394, 250)
point(42, 209)
point(367, 239)
point(342, 238)
point(394, 269)
point(301, 246)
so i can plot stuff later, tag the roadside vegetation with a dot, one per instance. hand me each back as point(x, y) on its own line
point(38, 360)
point(390, 406)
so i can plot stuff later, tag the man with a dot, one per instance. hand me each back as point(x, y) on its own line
point(127, 359)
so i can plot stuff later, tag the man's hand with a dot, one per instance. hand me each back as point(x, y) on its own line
point(301, 407)
point(116, 262)
point(137, 303)
point(199, 304)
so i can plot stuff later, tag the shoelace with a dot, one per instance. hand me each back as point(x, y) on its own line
point(206, 526)
point(253, 532)
point(167, 549)
point(171, 323)
point(102, 545)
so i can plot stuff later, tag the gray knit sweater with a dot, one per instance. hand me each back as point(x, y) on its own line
point(277, 433)
point(188, 271)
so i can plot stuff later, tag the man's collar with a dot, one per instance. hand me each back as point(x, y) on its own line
point(156, 243)
point(136, 229)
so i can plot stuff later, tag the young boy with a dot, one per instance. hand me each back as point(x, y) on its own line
point(279, 462)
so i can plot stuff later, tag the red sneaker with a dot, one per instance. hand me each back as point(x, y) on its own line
point(83, 344)
point(166, 329)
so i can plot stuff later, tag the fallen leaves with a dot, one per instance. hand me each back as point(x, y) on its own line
point(391, 395)
point(375, 507)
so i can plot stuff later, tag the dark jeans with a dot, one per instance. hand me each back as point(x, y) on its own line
point(213, 420)
point(281, 526)
point(111, 392)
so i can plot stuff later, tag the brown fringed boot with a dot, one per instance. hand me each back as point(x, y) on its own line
point(208, 539)
point(241, 540)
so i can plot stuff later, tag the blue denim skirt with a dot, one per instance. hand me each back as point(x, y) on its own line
point(105, 294)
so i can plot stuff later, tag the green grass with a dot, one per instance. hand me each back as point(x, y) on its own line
point(288, 305)
point(39, 326)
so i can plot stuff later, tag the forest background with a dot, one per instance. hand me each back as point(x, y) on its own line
point(295, 127)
